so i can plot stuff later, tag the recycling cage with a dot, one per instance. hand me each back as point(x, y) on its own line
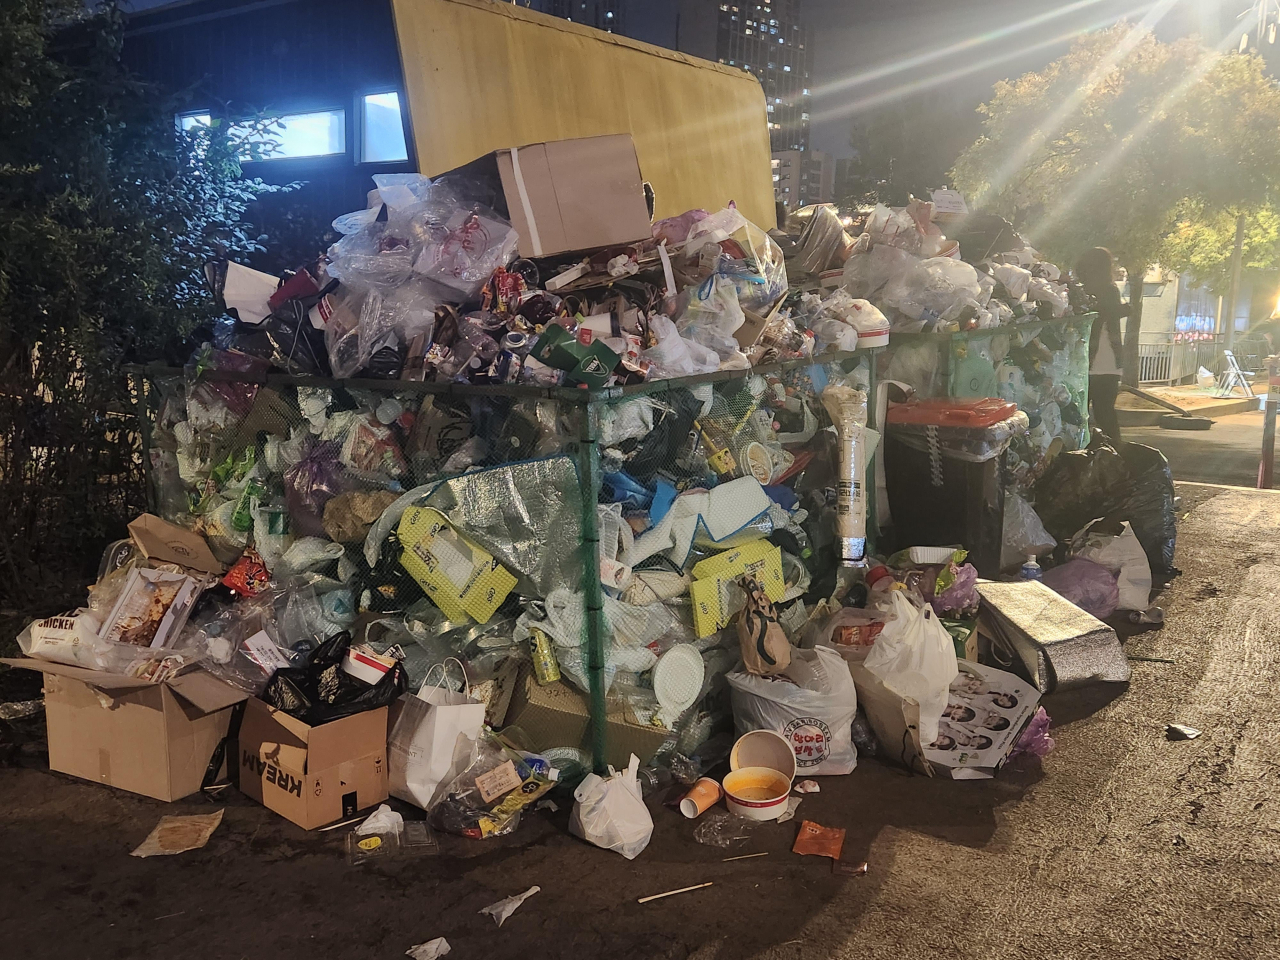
point(964, 365)
point(489, 453)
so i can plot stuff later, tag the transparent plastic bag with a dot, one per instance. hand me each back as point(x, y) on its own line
point(893, 227)
point(712, 316)
point(931, 289)
point(865, 274)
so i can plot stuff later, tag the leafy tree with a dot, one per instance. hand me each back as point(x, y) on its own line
point(1200, 244)
point(107, 215)
point(1106, 145)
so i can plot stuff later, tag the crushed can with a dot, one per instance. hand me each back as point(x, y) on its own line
point(546, 669)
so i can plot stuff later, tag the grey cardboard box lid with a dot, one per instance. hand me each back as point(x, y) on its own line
point(202, 690)
point(1058, 645)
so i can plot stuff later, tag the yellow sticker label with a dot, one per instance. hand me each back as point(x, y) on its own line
point(370, 843)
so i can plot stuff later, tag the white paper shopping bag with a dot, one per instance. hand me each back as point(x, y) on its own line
point(431, 741)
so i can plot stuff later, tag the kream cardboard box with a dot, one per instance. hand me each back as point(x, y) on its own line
point(155, 739)
point(313, 775)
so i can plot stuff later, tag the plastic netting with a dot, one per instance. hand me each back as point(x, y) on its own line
point(577, 551)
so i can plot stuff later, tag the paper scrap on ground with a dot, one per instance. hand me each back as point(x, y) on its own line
point(808, 786)
point(178, 835)
point(792, 804)
point(430, 950)
point(505, 908)
point(818, 840)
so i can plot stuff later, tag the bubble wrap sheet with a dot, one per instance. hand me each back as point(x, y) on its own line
point(1057, 644)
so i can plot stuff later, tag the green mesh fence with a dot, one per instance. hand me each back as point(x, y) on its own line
point(577, 550)
point(1041, 365)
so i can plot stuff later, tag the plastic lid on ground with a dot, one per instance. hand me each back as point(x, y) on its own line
point(677, 679)
point(763, 748)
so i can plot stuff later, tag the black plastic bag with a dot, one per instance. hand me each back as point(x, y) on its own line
point(1079, 487)
point(1128, 481)
point(1148, 504)
point(321, 691)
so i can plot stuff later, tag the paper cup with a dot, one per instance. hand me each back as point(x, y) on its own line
point(698, 800)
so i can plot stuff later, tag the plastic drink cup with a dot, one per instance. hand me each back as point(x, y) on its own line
point(700, 798)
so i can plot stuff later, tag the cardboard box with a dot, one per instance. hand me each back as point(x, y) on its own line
point(566, 195)
point(160, 540)
point(313, 775)
point(155, 739)
point(557, 715)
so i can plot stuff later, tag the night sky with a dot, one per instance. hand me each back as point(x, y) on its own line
point(855, 37)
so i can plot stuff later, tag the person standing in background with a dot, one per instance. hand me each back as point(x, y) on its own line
point(1094, 271)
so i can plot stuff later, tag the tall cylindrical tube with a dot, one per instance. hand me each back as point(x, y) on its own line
point(847, 408)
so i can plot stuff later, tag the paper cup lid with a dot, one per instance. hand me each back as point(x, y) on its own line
point(763, 748)
point(677, 676)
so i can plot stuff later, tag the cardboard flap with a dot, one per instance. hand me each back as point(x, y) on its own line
point(598, 190)
point(531, 199)
point(206, 692)
point(275, 736)
point(164, 541)
point(350, 738)
point(95, 678)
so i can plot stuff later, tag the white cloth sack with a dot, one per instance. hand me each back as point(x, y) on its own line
point(1122, 555)
point(914, 657)
point(611, 813)
point(810, 705)
point(431, 742)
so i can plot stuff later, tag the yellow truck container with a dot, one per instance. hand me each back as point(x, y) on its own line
point(481, 75)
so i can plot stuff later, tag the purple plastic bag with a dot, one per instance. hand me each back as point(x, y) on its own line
point(1090, 586)
point(1035, 740)
point(961, 596)
point(311, 483)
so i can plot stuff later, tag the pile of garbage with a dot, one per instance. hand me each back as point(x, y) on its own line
point(402, 585)
point(904, 264)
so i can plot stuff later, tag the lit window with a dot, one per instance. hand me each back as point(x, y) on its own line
point(804, 116)
point(780, 40)
point(786, 69)
point(724, 8)
point(805, 91)
point(382, 133)
point(747, 31)
point(608, 15)
point(776, 178)
point(769, 108)
point(298, 135)
point(189, 121)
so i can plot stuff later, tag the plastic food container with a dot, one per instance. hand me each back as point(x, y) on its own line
point(762, 765)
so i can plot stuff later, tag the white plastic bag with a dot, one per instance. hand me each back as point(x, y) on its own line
point(914, 657)
point(811, 706)
point(1122, 555)
point(611, 813)
point(431, 741)
point(1024, 533)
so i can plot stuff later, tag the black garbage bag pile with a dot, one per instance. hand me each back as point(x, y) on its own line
point(1127, 481)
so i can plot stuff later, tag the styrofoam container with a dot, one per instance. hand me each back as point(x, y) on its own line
point(762, 765)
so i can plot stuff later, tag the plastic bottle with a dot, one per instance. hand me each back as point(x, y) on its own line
point(1030, 569)
point(653, 779)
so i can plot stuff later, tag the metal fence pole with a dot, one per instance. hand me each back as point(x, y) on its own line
point(1267, 467)
point(594, 628)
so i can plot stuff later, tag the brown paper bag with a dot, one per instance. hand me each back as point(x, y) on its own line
point(765, 648)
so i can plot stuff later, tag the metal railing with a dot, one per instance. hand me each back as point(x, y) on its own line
point(1170, 362)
